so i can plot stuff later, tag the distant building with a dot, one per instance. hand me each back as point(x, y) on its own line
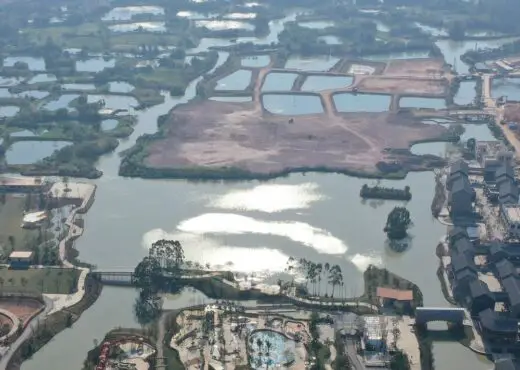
point(498, 330)
point(20, 260)
point(457, 233)
point(511, 286)
point(395, 297)
point(505, 269)
point(479, 298)
point(491, 155)
point(482, 68)
point(505, 173)
point(460, 198)
point(508, 193)
point(511, 216)
point(22, 184)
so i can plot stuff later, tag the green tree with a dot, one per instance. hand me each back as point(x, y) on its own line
point(335, 277)
point(397, 223)
point(147, 274)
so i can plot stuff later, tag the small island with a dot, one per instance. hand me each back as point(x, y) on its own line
point(381, 192)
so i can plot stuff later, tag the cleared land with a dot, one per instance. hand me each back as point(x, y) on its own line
point(45, 280)
point(217, 134)
point(422, 67)
point(21, 307)
point(401, 85)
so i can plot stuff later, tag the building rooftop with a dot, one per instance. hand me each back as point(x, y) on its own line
point(460, 261)
point(21, 181)
point(512, 212)
point(397, 294)
point(464, 245)
point(506, 169)
point(21, 254)
point(478, 288)
point(505, 269)
point(459, 166)
point(507, 188)
point(511, 286)
point(492, 321)
point(374, 327)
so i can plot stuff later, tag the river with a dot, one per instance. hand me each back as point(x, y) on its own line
point(247, 226)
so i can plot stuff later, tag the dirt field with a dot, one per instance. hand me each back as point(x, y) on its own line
point(425, 67)
point(402, 85)
point(216, 134)
point(512, 112)
point(23, 308)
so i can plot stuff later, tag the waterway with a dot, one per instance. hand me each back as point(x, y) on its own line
point(247, 226)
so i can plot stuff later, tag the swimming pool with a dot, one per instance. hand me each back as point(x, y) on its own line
point(269, 348)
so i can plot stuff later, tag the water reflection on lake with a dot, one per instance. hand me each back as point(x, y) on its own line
point(120, 87)
point(126, 13)
point(108, 124)
point(28, 152)
point(62, 102)
point(114, 101)
point(9, 111)
point(42, 77)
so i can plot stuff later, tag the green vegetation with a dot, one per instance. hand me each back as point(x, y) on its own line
point(380, 192)
point(397, 223)
point(44, 280)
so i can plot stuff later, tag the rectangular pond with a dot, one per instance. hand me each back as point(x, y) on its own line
point(279, 81)
point(62, 102)
point(509, 87)
point(311, 64)
point(219, 25)
point(127, 12)
point(42, 77)
point(232, 99)
point(82, 87)
point(292, 104)
point(9, 111)
point(138, 26)
point(35, 64)
point(415, 102)
point(238, 80)
point(28, 152)
point(317, 83)
point(109, 124)
point(120, 87)
point(330, 40)
point(94, 65)
point(256, 61)
point(318, 25)
point(114, 101)
point(350, 103)
point(466, 93)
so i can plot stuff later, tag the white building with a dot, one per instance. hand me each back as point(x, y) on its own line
point(511, 215)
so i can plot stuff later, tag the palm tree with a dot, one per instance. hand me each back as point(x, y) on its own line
point(335, 277)
point(268, 345)
point(319, 269)
point(327, 268)
point(2, 281)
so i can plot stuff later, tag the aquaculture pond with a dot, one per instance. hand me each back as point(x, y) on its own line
point(317, 83)
point(235, 99)
point(127, 12)
point(139, 26)
point(62, 102)
point(42, 77)
point(256, 61)
point(23, 133)
point(36, 94)
point(120, 87)
point(108, 124)
point(311, 64)
point(349, 103)
point(280, 353)
point(509, 87)
point(83, 87)
point(35, 64)
point(94, 65)
point(114, 101)
point(4, 93)
point(218, 25)
point(276, 81)
point(287, 104)
point(316, 24)
point(238, 80)
point(414, 102)
point(28, 152)
point(330, 39)
point(9, 111)
point(195, 15)
point(466, 93)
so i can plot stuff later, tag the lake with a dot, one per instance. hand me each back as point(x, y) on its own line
point(9, 111)
point(139, 26)
point(94, 64)
point(127, 12)
point(108, 124)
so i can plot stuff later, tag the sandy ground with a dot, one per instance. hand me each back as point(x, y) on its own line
point(401, 85)
point(512, 112)
point(23, 308)
point(217, 134)
point(421, 67)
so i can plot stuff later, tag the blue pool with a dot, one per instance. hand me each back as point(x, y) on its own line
point(269, 348)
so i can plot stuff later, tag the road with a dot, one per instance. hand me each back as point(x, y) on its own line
point(350, 348)
point(491, 106)
point(26, 334)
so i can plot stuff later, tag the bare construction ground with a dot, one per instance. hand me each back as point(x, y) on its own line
point(512, 112)
point(21, 307)
point(422, 67)
point(402, 85)
point(221, 134)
